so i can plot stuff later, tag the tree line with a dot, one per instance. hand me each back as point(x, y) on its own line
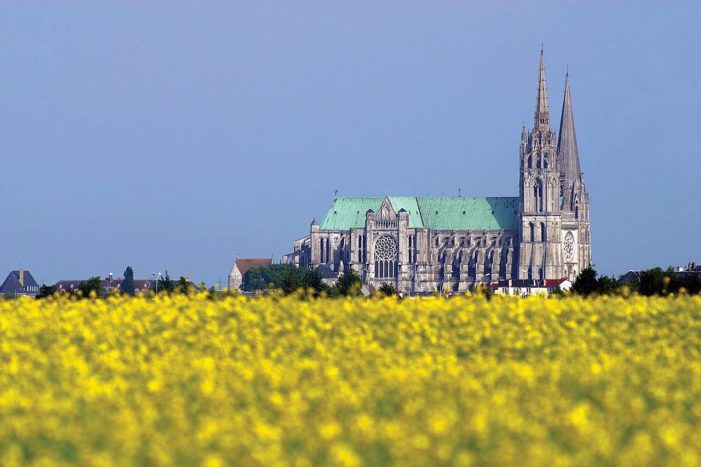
point(655, 281)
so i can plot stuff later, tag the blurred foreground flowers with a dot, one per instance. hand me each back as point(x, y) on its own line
point(285, 381)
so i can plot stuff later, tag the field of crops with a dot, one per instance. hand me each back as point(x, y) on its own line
point(284, 381)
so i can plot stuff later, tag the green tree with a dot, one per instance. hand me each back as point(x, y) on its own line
point(94, 284)
point(348, 285)
point(127, 286)
point(286, 277)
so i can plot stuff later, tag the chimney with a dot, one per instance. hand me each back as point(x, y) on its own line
point(21, 277)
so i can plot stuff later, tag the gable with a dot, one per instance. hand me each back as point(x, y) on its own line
point(349, 213)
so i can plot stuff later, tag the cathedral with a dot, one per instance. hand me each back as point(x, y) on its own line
point(452, 244)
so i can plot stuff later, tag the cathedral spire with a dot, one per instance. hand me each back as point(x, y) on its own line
point(542, 114)
point(567, 153)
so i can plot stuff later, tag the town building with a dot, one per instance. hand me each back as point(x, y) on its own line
point(241, 266)
point(525, 288)
point(19, 282)
point(452, 244)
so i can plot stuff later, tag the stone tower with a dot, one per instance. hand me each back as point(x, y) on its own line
point(575, 199)
point(540, 252)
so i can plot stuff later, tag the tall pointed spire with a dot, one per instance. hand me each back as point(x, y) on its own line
point(542, 114)
point(567, 153)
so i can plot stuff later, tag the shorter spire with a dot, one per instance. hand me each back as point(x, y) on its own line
point(567, 152)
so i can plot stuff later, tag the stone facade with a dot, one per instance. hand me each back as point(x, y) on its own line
point(439, 244)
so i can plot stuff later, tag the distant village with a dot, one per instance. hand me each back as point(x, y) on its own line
point(21, 282)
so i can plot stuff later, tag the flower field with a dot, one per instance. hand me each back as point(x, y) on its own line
point(285, 381)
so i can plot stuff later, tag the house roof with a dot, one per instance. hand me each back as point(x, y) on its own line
point(439, 213)
point(12, 284)
point(244, 264)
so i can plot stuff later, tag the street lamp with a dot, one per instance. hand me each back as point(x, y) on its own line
point(155, 278)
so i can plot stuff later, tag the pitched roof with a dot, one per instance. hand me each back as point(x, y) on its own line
point(440, 213)
point(12, 284)
point(244, 264)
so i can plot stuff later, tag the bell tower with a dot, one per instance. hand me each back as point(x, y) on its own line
point(540, 254)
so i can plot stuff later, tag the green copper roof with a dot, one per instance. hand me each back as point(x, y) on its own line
point(440, 213)
point(458, 213)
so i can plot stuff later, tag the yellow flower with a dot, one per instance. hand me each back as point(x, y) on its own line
point(276, 380)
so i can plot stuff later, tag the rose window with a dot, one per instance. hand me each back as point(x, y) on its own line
point(385, 258)
point(569, 247)
point(385, 248)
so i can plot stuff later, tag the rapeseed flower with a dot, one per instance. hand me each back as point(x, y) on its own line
point(180, 380)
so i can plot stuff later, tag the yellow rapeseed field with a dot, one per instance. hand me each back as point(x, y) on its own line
point(286, 381)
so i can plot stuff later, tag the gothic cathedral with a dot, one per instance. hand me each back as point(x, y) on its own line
point(452, 244)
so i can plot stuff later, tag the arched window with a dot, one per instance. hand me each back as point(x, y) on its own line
point(545, 161)
point(531, 238)
point(538, 195)
point(530, 162)
point(543, 232)
point(539, 161)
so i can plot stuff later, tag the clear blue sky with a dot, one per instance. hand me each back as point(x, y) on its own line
point(177, 134)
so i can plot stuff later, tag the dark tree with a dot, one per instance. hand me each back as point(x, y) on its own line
point(127, 286)
point(586, 282)
point(606, 285)
point(46, 291)
point(653, 282)
point(166, 284)
point(387, 289)
point(86, 288)
point(185, 286)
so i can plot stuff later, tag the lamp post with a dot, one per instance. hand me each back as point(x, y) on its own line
point(155, 278)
